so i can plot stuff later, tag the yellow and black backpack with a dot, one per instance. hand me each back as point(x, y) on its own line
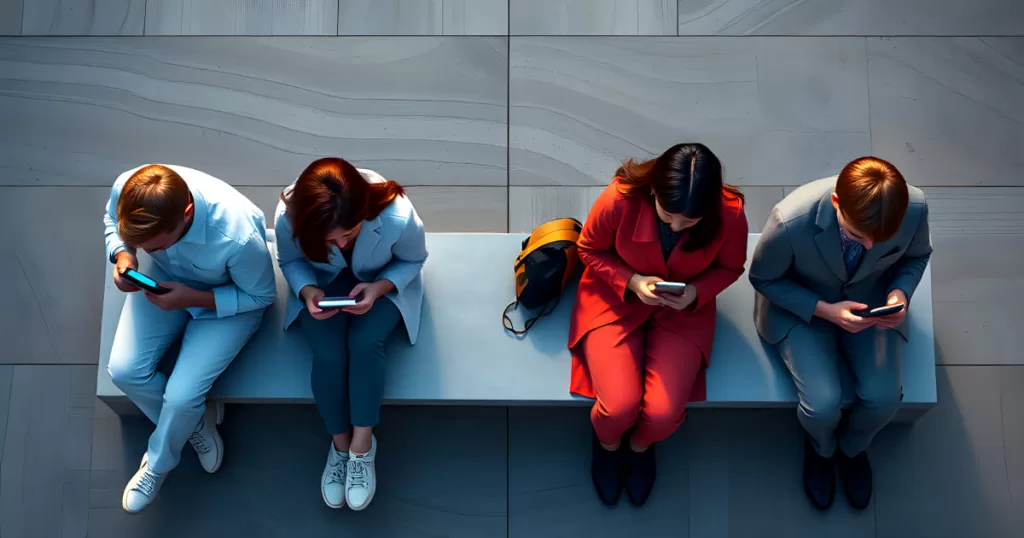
point(546, 265)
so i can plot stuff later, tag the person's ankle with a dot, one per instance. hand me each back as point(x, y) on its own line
point(361, 447)
point(342, 446)
point(636, 447)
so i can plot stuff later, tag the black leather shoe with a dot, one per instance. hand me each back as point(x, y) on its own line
point(857, 480)
point(607, 470)
point(819, 477)
point(640, 476)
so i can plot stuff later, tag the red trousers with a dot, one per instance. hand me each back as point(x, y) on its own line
point(642, 379)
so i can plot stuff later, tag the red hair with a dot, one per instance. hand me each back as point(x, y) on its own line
point(873, 197)
point(331, 194)
point(152, 202)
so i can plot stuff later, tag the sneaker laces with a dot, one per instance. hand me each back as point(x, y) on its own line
point(356, 473)
point(199, 442)
point(147, 482)
point(336, 471)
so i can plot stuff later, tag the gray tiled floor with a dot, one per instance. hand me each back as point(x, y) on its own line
point(241, 17)
point(254, 111)
point(579, 106)
point(851, 17)
point(497, 134)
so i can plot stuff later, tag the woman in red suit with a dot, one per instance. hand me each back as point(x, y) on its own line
point(642, 353)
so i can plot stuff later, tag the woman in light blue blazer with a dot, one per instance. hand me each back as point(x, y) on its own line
point(344, 232)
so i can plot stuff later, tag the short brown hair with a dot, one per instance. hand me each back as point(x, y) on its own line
point(873, 197)
point(152, 202)
point(329, 194)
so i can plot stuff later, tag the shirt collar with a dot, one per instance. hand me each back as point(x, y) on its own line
point(197, 233)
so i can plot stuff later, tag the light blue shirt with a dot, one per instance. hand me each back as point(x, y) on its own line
point(224, 251)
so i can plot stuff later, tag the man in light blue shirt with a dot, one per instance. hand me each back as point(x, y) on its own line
point(207, 245)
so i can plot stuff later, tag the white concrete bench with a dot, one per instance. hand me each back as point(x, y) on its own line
point(465, 357)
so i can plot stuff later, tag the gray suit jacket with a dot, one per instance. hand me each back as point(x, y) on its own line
point(799, 260)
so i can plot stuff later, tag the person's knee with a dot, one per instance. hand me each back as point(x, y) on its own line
point(123, 373)
point(883, 397)
point(822, 402)
point(665, 413)
point(620, 408)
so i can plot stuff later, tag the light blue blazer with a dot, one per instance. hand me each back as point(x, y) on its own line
point(391, 246)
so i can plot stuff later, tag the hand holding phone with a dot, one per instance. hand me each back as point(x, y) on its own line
point(880, 311)
point(336, 302)
point(144, 282)
point(670, 288)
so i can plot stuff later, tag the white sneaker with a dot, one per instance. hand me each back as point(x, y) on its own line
point(208, 444)
point(361, 479)
point(142, 488)
point(332, 482)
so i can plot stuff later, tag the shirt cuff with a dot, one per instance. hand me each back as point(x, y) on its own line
point(117, 250)
point(225, 298)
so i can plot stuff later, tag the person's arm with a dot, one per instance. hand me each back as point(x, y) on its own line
point(907, 272)
point(295, 267)
point(115, 244)
point(409, 254)
point(770, 266)
point(252, 284)
point(728, 265)
point(597, 244)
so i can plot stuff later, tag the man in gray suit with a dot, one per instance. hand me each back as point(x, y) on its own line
point(832, 248)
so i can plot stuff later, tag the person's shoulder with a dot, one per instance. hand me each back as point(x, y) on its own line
point(371, 176)
point(400, 210)
point(732, 204)
point(916, 197)
point(803, 201)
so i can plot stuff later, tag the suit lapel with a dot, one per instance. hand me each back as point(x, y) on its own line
point(362, 252)
point(647, 236)
point(828, 240)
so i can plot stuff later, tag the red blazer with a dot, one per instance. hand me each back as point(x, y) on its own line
point(621, 238)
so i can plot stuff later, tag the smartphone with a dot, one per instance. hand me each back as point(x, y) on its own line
point(670, 288)
point(143, 282)
point(880, 311)
point(337, 302)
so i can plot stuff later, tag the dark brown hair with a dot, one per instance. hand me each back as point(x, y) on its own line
point(152, 202)
point(873, 197)
point(687, 180)
point(329, 194)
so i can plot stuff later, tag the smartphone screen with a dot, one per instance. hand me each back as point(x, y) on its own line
point(336, 302)
point(143, 279)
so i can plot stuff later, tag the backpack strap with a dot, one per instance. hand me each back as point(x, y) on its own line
point(507, 321)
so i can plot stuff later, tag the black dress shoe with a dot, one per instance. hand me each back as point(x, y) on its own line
point(819, 477)
point(857, 481)
point(607, 470)
point(640, 476)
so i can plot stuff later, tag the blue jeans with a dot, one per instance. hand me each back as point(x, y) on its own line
point(349, 368)
point(812, 354)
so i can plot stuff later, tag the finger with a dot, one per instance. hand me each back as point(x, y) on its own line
point(858, 306)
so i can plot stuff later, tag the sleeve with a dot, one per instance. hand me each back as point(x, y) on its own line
point(293, 263)
point(907, 272)
point(597, 244)
point(728, 265)
point(409, 254)
point(770, 267)
point(252, 284)
point(113, 241)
